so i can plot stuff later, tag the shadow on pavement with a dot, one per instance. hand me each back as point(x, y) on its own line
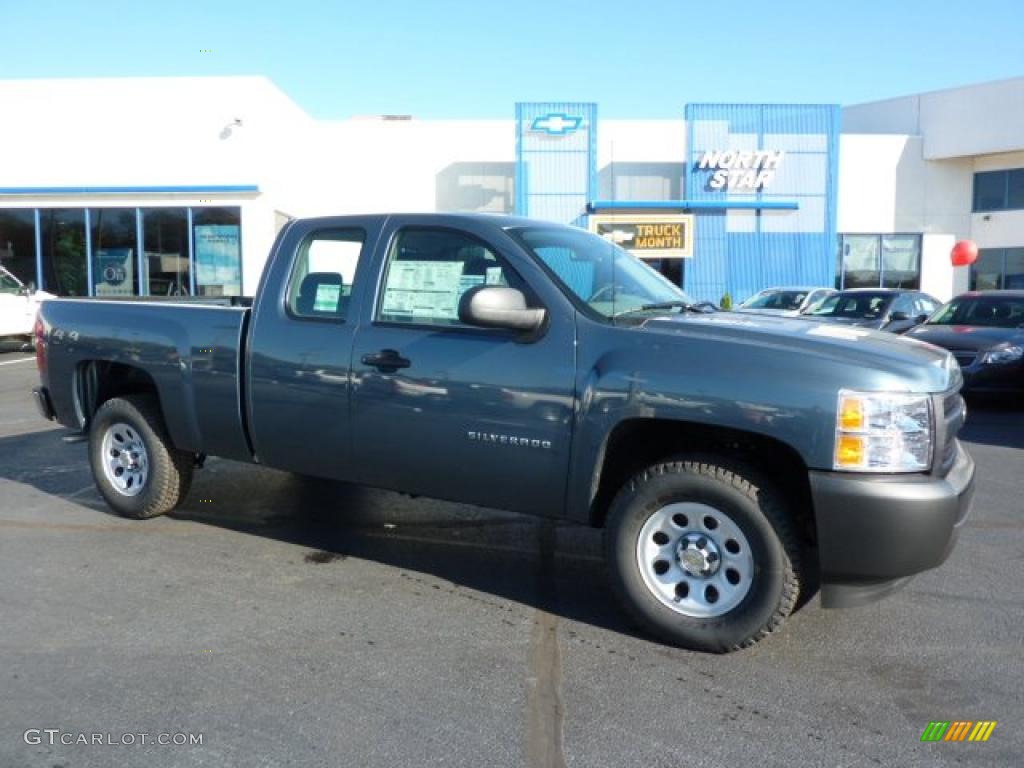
point(551, 566)
point(995, 421)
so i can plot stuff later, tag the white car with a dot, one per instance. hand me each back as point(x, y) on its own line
point(788, 302)
point(18, 305)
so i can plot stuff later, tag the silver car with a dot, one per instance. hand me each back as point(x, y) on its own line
point(788, 301)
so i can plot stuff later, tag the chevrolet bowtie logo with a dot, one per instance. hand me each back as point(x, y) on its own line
point(556, 124)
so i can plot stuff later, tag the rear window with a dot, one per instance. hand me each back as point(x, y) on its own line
point(320, 286)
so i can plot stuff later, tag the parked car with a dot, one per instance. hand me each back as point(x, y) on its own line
point(896, 310)
point(985, 332)
point(539, 368)
point(18, 305)
point(787, 302)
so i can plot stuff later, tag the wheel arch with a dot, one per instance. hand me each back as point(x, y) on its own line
point(97, 381)
point(636, 443)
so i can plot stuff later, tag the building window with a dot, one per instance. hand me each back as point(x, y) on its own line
point(217, 250)
point(62, 236)
point(165, 245)
point(998, 268)
point(18, 243)
point(879, 261)
point(999, 190)
point(114, 240)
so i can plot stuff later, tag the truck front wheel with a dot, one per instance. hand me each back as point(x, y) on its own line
point(702, 554)
point(136, 468)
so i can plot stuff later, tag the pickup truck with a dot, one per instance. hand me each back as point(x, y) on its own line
point(737, 463)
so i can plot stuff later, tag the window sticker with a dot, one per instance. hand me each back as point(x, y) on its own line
point(425, 289)
point(327, 297)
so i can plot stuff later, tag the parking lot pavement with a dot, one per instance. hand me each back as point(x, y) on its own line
point(298, 623)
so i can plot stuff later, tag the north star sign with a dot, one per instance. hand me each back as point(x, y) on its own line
point(556, 124)
point(740, 169)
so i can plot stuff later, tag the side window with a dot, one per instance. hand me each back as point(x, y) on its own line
point(320, 286)
point(904, 303)
point(428, 270)
point(924, 306)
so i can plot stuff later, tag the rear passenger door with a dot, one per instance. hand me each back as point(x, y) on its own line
point(299, 364)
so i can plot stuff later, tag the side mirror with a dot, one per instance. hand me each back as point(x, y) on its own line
point(897, 317)
point(495, 306)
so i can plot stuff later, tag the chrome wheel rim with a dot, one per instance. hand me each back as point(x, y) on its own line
point(695, 560)
point(125, 460)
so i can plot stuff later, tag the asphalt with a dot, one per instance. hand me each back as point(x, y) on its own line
point(307, 624)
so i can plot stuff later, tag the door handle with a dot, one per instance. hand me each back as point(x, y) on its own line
point(386, 361)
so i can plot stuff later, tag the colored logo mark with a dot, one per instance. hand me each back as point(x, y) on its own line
point(958, 730)
point(556, 124)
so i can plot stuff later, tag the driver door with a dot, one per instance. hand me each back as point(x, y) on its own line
point(450, 411)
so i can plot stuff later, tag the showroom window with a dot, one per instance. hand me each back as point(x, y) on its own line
point(124, 251)
point(166, 248)
point(879, 261)
point(217, 251)
point(18, 243)
point(998, 268)
point(113, 241)
point(62, 241)
point(999, 190)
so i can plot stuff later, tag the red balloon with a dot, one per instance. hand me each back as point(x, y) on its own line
point(965, 252)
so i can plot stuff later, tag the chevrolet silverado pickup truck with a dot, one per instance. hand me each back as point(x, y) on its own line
point(736, 463)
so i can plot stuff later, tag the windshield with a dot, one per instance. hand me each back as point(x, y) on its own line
point(856, 305)
point(601, 274)
point(7, 283)
point(990, 311)
point(776, 300)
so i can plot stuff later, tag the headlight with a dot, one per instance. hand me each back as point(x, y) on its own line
point(1003, 353)
point(883, 432)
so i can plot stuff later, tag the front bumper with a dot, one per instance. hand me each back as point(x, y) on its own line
point(876, 531)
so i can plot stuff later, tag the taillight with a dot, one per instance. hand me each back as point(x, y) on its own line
point(39, 335)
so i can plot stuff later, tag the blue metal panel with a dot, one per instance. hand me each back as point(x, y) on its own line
point(39, 251)
point(556, 160)
point(753, 242)
point(89, 277)
point(693, 205)
point(141, 254)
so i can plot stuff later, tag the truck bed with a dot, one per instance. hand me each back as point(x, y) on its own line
point(192, 351)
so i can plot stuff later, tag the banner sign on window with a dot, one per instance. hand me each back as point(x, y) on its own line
point(218, 259)
point(114, 273)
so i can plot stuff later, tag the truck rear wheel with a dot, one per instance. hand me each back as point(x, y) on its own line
point(702, 554)
point(136, 469)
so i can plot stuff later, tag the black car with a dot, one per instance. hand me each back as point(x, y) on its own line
point(985, 332)
point(896, 310)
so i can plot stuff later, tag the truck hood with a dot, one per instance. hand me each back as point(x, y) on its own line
point(912, 365)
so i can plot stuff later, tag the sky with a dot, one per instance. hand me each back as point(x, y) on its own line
point(451, 59)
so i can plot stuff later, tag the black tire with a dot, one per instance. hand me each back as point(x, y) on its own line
point(169, 474)
point(736, 493)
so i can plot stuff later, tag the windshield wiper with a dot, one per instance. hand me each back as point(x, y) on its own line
point(686, 306)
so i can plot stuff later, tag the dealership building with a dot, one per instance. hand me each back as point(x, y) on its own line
point(178, 186)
